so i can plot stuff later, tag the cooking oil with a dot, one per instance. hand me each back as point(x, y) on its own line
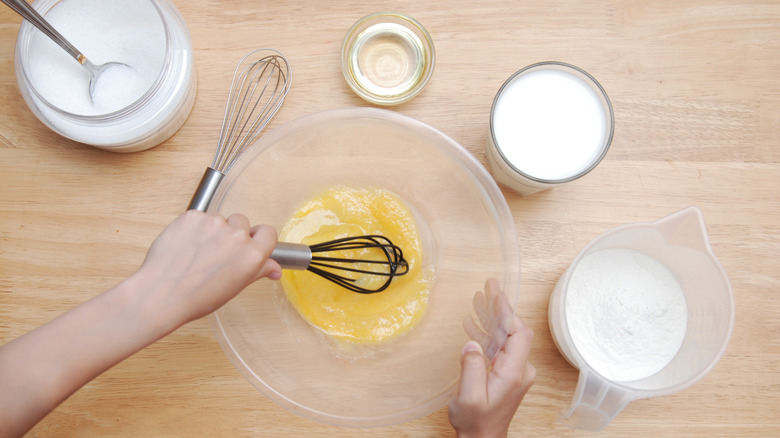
point(387, 59)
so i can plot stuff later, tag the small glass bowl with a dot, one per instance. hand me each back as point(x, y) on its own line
point(387, 58)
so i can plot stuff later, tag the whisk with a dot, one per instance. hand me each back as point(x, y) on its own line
point(257, 92)
point(260, 84)
point(388, 261)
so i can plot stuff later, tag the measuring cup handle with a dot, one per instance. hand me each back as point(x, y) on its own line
point(596, 402)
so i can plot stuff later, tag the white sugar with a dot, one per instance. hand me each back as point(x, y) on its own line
point(126, 31)
point(626, 313)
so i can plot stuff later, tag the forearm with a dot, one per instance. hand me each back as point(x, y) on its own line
point(198, 263)
point(41, 369)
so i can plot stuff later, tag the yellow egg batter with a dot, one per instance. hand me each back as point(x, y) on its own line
point(343, 314)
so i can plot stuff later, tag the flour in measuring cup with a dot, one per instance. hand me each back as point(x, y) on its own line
point(626, 313)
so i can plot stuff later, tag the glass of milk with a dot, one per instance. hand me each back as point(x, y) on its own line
point(131, 109)
point(550, 123)
point(644, 310)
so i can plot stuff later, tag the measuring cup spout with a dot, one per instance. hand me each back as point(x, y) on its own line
point(596, 402)
point(685, 228)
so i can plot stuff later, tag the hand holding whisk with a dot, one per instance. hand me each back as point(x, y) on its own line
point(260, 84)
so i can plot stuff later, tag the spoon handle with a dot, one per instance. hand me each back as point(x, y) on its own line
point(26, 10)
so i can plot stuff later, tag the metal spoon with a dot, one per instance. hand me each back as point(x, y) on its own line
point(28, 13)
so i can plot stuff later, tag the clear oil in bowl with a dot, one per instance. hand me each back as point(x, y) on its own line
point(387, 58)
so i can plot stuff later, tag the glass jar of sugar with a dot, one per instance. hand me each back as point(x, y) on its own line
point(131, 109)
point(550, 123)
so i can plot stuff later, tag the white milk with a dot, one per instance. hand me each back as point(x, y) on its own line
point(550, 123)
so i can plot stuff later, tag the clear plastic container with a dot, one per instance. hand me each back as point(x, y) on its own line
point(467, 234)
point(680, 242)
point(146, 122)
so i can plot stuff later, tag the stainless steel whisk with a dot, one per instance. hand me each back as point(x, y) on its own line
point(257, 92)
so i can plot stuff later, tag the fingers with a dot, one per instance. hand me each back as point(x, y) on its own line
point(266, 237)
point(272, 270)
point(518, 345)
point(482, 332)
point(240, 221)
point(491, 287)
point(506, 327)
point(516, 349)
point(264, 234)
point(475, 332)
point(511, 362)
point(480, 304)
point(473, 388)
point(501, 311)
point(489, 394)
point(496, 317)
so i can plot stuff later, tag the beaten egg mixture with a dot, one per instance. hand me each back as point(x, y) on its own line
point(343, 314)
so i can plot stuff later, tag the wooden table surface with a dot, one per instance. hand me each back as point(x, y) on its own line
point(695, 86)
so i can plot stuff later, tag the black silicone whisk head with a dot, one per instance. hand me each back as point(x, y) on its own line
point(388, 262)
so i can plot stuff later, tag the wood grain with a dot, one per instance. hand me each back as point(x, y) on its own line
point(696, 93)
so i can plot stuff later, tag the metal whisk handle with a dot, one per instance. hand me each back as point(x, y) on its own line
point(292, 255)
point(206, 189)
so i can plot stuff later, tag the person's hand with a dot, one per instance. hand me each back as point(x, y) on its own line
point(198, 263)
point(490, 392)
point(201, 261)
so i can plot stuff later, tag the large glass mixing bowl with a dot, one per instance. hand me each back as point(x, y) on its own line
point(467, 232)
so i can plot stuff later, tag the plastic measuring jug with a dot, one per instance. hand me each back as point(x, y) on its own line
point(680, 242)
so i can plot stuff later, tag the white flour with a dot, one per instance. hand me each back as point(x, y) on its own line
point(626, 313)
